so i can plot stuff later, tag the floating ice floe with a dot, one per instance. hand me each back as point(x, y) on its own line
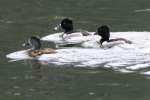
point(121, 57)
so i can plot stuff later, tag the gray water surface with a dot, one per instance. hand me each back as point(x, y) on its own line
point(30, 80)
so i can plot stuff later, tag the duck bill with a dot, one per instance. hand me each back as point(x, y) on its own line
point(57, 27)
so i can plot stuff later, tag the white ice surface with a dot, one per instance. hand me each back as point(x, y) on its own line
point(19, 55)
point(121, 57)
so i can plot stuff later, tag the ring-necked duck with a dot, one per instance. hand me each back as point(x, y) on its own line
point(67, 26)
point(34, 44)
point(104, 32)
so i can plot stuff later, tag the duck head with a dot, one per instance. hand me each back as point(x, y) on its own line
point(33, 43)
point(66, 25)
point(104, 32)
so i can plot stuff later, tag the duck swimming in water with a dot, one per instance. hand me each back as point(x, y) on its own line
point(35, 47)
point(69, 35)
point(101, 38)
point(67, 26)
point(104, 32)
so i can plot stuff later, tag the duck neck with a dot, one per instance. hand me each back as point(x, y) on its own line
point(36, 47)
point(69, 31)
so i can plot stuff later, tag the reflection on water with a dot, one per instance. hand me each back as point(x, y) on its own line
point(38, 82)
point(21, 84)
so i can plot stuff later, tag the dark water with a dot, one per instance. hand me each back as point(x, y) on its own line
point(29, 80)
